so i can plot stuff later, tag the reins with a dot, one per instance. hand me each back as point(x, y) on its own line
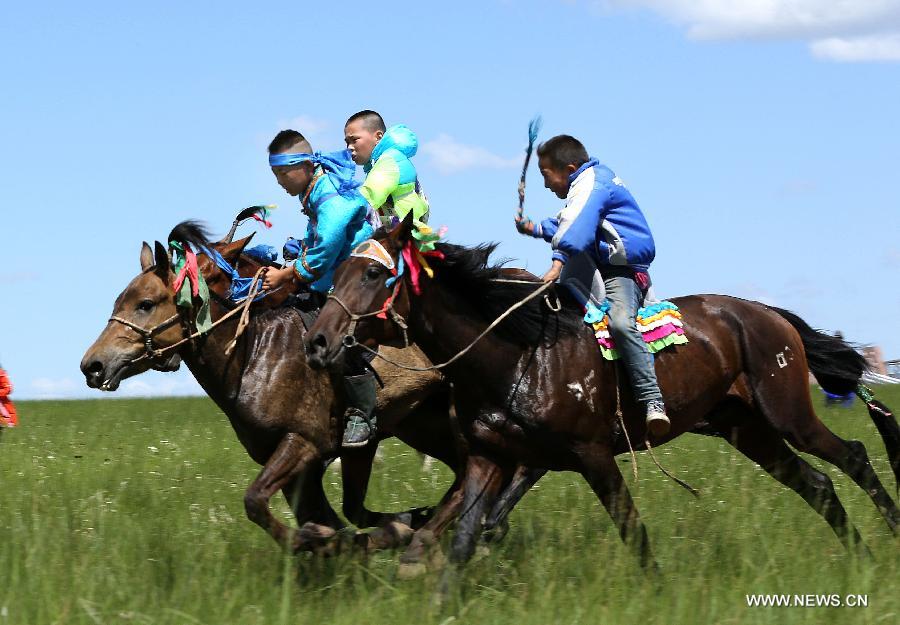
point(154, 354)
point(349, 340)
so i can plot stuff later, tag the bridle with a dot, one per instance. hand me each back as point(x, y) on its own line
point(374, 250)
point(150, 352)
point(154, 354)
point(380, 255)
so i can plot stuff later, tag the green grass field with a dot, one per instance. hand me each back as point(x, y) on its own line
point(131, 511)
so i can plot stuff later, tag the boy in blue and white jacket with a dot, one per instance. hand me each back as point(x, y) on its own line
point(601, 243)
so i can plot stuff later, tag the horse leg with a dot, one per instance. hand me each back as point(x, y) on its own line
point(765, 446)
point(602, 473)
point(356, 469)
point(887, 426)
point(851, 458)
point(482, 483)
point(522, 481)
point(307, 499)
point(291, 459)
point(425, 539)
point(317, 520)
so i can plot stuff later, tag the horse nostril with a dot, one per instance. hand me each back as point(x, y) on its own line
point(94, 368)
point(320, 341)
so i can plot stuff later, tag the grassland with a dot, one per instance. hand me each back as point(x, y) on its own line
point(130, 511)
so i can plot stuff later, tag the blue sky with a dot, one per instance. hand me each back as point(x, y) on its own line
point(761, 141)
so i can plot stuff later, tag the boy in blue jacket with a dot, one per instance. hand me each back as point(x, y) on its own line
point(337, 224)
point(601, 242)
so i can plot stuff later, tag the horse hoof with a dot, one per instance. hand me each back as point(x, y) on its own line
point(411, 570)
point(314, 537)
point(402, 532)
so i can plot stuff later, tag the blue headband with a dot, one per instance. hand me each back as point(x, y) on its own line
point(338, 165)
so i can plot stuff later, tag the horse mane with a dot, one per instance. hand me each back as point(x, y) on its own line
point(190, 231)
point(466, 271)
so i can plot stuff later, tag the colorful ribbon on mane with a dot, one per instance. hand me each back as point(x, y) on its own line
point(417, 262)
point(337, 165)
point(189, 283)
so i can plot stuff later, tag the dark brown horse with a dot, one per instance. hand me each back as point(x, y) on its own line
point(286, 415)
point(537, 391)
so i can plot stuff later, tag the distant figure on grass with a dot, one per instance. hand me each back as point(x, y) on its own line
point(337, 224)
point(602, 249)
point(833, 399)
point(391, 186)
point(8, 417)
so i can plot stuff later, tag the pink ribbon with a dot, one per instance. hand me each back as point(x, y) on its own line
point(189, 271)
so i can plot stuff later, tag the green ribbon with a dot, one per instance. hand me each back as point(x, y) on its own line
point(865, 393)
point(184, 296)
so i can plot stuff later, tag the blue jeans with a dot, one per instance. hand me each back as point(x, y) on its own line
point(624, 297)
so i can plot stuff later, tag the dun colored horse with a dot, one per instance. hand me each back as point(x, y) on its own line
point(285, 414)
point(537, 391)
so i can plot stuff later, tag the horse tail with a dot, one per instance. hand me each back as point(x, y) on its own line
point(838, 368)
point(836, 365)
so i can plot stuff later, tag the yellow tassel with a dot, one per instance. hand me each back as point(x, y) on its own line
point(428, 270)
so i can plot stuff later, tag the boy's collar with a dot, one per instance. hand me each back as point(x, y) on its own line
point(317, 175)
point(591, 162)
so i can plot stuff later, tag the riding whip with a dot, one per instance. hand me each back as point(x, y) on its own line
point(259, 212)
point(534, 127)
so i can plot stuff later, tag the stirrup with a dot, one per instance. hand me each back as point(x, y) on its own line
point(359, 430)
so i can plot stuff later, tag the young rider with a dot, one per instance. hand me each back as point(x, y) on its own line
point(337, 224)
point(391, 186)
point(601, 242)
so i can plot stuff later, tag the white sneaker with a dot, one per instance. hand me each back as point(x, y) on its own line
point(658, 423)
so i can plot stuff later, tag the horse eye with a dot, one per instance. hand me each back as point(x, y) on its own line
point(146, 305)
point(373, 273)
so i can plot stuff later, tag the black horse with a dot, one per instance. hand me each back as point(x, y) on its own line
point(536, 391)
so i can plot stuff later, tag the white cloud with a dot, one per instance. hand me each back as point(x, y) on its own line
point(449, 156)
point(54, 388)
point(310, 127)
point(752, 291)
point(149, 384)
point(840, 30)
point(160, 386)
point(871, 48)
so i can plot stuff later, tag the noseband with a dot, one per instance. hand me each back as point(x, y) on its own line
point(374, 250)
point(150, 352)
point(154, 354)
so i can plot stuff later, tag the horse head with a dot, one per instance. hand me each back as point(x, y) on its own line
point(369, 302)
point(146, 324)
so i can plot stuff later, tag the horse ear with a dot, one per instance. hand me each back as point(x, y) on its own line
point(162, 261)
point(402, 233)
point(231, 251)
point(146, 257)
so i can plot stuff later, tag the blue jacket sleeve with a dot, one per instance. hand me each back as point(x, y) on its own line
point(326, 238)
point(546, 229)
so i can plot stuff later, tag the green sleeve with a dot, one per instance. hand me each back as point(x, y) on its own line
point(381, 181)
